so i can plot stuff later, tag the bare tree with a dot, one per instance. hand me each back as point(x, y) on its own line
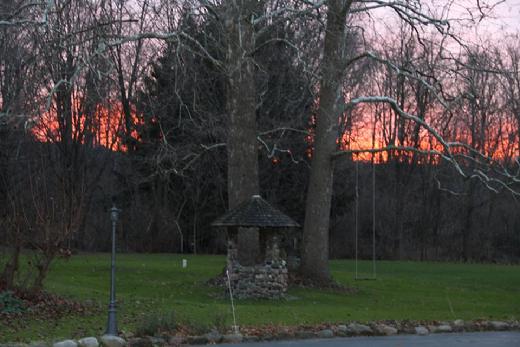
point(315, 255)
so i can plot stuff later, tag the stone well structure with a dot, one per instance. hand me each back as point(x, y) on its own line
point(268, 277)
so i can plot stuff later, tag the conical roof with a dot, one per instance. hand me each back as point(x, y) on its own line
point(255, 212)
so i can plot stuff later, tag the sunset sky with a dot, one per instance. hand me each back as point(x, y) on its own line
point(507, 18)
point(504, 19)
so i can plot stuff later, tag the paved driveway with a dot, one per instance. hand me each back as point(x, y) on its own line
point(492, 339)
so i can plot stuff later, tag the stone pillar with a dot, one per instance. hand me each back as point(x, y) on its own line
point(232, 251)
point(272, 248)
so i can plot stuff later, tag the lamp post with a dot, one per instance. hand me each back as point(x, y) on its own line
point(112, 322)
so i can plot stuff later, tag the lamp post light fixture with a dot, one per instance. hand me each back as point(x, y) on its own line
point(112, 322)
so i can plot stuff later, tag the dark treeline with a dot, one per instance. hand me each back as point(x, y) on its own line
point(432, 224)
point(147, 105)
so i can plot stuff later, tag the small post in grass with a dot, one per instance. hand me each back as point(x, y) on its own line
point(112, 322)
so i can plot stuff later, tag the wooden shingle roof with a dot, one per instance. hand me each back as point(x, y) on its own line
point(255, 212)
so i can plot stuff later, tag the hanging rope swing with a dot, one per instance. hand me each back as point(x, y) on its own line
point(356, 224)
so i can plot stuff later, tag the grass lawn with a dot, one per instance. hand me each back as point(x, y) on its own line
point(149, 283)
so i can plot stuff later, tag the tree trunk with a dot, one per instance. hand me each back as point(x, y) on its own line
point(43, 269)
point(241, 108)
point(315, 256)
point(467, 227)
point(398, 210)
point(10, 269)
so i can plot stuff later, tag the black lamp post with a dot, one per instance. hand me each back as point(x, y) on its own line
point(112, 322)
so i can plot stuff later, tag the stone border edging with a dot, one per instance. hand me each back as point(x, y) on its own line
point(375, 328)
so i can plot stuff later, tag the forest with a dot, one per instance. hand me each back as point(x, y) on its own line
point(368, 116)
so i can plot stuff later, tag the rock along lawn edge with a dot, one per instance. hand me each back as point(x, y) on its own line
point(269, 333)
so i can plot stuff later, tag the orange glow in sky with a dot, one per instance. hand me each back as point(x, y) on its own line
point(500, 141)
point(104, 126)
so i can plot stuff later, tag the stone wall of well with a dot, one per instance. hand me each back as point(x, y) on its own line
point(269, 279)
point(259, 281)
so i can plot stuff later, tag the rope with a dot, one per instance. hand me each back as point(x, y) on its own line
point(374, 200)
point(356, 223)
point(373, 218)
point(235, 326)
point(356, 215)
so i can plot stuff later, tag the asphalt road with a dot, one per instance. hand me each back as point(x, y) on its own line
point(491, 339)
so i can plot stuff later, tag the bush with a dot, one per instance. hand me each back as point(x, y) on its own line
point(220, 322)
point(9, 303)
point(156, 323)
point(195, 327)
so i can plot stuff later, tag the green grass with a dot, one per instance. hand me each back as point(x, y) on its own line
point(152, 283)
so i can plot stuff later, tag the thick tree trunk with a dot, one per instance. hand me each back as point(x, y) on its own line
point(241, 108)
point(315, 256)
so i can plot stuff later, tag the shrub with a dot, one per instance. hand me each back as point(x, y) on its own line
point(156, 323)
point(196, 327)
point(220, 322)
point(9, 303)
